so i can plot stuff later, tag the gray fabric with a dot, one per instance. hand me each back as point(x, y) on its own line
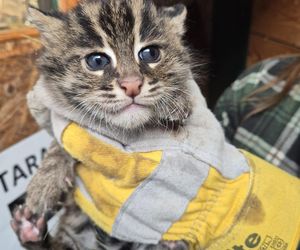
point(39, 111)
point(161, 199)
point(82, 188)
point(59, 124)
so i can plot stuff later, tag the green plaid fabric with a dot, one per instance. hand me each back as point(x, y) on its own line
point(274, 135)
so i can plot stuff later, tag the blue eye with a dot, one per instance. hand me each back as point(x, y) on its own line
point(150, 54)
point(97, 61)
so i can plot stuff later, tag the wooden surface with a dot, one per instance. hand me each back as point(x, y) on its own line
point(278, 19)
point(263, 47)
point(17, 75)
point(275, 29)
point(17, 34)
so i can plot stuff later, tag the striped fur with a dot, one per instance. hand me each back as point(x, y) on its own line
point(119, 29)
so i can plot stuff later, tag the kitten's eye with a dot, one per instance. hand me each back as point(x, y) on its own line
point(97, 61)
point(150, 54)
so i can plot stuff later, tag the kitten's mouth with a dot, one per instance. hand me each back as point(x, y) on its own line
point(133, 107)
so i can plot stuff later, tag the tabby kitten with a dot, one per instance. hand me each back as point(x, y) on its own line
point(114, 64)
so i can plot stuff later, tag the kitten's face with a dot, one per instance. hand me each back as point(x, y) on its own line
point(116, 62)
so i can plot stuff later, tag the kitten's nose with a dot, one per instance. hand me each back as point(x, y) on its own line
point(131, 85)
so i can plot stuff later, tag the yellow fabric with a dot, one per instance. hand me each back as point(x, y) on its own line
point(126, 169)
point(106, 170)
point(213, 211)
point(270, 218)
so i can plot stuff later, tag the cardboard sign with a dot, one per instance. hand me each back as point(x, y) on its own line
point(17, 165)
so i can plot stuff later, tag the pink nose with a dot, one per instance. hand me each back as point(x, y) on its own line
point(131, 85)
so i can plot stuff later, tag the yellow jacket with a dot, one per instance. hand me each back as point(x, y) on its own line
point(131, 196)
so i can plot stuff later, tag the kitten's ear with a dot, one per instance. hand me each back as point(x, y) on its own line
point(176, 16)
point(44, 22)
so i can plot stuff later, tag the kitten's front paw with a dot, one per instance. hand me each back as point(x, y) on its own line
point(28, 227)
point(46, 191)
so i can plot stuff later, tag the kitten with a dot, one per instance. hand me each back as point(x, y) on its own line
point(114, 64)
